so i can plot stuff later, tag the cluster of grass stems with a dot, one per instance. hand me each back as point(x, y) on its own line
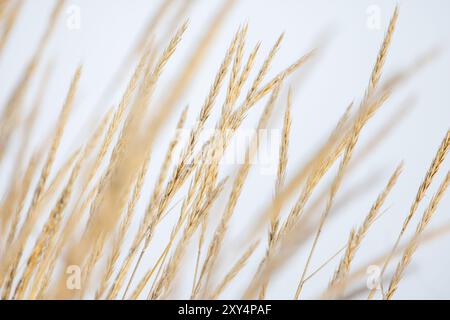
point(81, 213)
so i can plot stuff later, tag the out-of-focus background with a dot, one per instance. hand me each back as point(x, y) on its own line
point(349, 32)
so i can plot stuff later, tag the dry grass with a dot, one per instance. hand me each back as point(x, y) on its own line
point(94, 211)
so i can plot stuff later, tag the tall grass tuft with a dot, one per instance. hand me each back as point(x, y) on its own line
point(96, 212)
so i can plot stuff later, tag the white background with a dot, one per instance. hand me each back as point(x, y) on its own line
point(109, 27)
